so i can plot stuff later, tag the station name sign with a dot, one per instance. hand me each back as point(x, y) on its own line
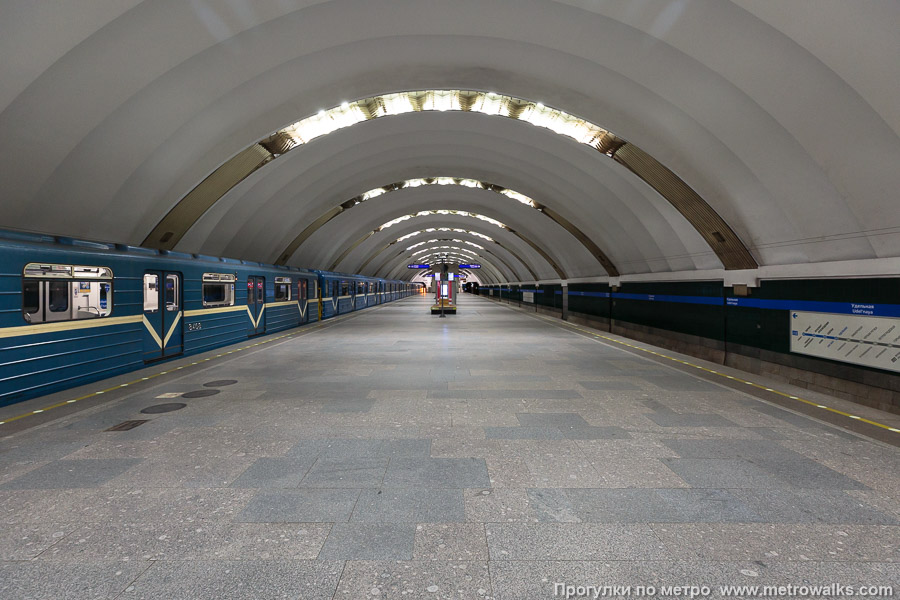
point(469, 266)
point(418, 266)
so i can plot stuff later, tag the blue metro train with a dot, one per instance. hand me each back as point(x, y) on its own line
point(73, 311)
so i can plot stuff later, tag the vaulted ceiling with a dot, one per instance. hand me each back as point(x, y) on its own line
point(550, 139)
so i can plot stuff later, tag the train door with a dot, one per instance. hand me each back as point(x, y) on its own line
point(302, 298)
point(256, 304)
point(163, 324)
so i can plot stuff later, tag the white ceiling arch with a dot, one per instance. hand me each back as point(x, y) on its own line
point(128, 105)
point(611, 205)
point(351, 237)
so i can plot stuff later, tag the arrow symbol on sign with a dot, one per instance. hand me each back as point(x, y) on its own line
point(795, 315)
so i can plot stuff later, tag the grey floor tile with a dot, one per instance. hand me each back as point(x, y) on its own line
point(502, 394)
point(799, 421)
point(415, 580)
point(722, 473)
point(641, 506)
point(681, 383)
point(811, 506)
point(610, 385)
point(671, 419)
point(767, 542)
point(498, 505)
point(411, 447)
point(532, 432)
point(344, 405)
point(137, 541)
point(768, 433)
point(748, 449)
point(594, 433)
point(347, 473)
point(437, 473)
point(38, 451)
point(806, 473)
point(25, 541)
point(31, 580)
point(274, 473)
point(573, 541)
point(84, 473)
point(410, 505)
point(237, 580)
point(790, 467)
point(335, 448)
point(268, 541)
point(369, 541)
point(552, 505)
point(300, 506)
point(451, 541)
point(552, 419)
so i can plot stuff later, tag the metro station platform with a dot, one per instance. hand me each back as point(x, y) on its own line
point(395, 454)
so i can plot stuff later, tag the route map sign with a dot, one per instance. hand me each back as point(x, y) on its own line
point(861, 340)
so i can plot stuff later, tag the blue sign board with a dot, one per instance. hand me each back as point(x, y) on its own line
point(418, 266)
point(469, 266)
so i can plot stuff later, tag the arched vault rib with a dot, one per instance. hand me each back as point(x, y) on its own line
point(715, 231)
point(487, 240)
point(459, 213)
point(579, 235)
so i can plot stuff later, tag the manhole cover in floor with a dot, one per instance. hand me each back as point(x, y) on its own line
point(220, 383)
point(163, 408)
point(199, 393)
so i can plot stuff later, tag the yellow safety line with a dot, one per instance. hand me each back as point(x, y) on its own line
point(726, 376)
point(306, 330)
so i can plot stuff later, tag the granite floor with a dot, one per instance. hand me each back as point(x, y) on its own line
point(396, 455)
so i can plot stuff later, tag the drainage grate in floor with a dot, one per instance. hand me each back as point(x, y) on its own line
point(163, 408)
point(126, 425)
point(220, 383)
point(199, 393)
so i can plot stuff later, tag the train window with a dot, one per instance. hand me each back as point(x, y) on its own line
point(91, 299)
point(345, 288)
point(218, 289)
point(282, 289)
point(65, 292)
point(58, 296)
point(31, 297)
point(173, 302)
point(151, 292)
point(93, 272)
point(218, 294)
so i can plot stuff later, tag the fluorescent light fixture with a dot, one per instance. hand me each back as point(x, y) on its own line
point(443, 211)
point(487, 103)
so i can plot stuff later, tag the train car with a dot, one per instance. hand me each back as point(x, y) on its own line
point(74, 311)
